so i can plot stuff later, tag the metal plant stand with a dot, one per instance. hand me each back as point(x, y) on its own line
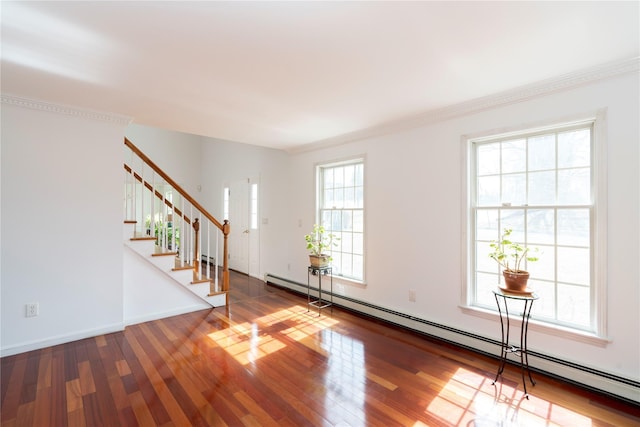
point(319, 303)
point(507, 348)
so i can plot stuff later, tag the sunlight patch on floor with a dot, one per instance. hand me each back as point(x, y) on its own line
point(470, 399)
point(247, 343)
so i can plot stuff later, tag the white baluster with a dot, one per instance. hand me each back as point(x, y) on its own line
point(215, 261)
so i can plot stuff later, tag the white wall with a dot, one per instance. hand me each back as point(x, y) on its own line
point(176, 153)
point(413, 218)
point(224, 163)
point(150, 293)
point(61, 208)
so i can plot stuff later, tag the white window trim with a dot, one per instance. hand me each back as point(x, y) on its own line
point(317, 181)
point(599, 164)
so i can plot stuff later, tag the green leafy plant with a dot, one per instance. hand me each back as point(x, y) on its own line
point(319, 240)
point(509, 254)
point(160, 230)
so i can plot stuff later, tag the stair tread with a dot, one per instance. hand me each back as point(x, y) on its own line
point(142, 237)
point(196, 281)
point(160, 251)
point(185, 267)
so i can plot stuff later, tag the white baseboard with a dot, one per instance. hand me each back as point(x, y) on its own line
point(601, 381)
point(60, 339)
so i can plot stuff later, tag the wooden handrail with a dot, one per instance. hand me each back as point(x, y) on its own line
point(171, 182)
point(224, 227)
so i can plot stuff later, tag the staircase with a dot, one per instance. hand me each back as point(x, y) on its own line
point(170, 230)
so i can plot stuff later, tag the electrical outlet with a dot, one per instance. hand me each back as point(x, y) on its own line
point(32, 309)
point(412, 295)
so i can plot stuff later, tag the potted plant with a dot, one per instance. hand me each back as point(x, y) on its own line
point(510, 255)
point(317, 242)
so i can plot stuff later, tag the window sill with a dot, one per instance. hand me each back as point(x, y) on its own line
point(545, 328)
point(348, 281)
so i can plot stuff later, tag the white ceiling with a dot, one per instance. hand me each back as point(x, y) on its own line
point(285, 74)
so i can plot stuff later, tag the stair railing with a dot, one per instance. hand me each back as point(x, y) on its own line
point(160, 209)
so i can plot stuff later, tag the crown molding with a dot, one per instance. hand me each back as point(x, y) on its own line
point(65, 110)
point(519, 94)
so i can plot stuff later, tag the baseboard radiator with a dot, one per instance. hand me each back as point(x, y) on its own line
point(603, 382)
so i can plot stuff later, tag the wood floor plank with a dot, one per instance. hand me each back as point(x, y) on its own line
point(169, 402)
point(267, 360)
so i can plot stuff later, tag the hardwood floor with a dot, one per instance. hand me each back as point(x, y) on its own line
point(266, 361)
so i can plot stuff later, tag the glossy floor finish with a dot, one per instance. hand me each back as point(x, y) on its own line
point(266, 361)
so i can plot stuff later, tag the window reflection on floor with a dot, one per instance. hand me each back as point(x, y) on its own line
point(471, 399)
point(345, 378)
point(249, 341)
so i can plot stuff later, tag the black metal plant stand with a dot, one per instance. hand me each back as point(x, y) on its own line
point(506, 348)
point(319, 303)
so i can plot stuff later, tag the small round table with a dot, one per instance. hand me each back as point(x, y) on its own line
point(506, 348)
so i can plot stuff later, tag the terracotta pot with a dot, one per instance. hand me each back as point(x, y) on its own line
point(516, 280)
point(319, 260)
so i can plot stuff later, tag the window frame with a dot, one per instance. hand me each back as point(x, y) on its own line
point(318, 169)
point(597, 333)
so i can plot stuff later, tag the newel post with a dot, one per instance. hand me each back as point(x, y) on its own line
point(196, 261)
point(226, 228)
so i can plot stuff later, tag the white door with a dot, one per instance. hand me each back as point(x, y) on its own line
point(244, 239)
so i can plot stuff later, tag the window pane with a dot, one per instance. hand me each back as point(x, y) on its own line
point(545, 267)
point(347, 264)
point(573, 227)
point(574, 148)
point(573, 265)
point(358, 221)
point(545, 306)
point(514, 156)
point(573, 304)
point(338, 198)
point(346, 242)
point(514, 190)
point(514, 219)
point(358, 267)
point(489, 191)
point(574, 186)
point(349, 176)
point(359, 198)
point(483, 262)
point(338, 177)
point(540, 226)
point(326, 219)
point(328, 178)
point(349, 198)
point(328, 199)
point(488, 158)
point(542, 152)
point(359, 174)
point(336, 221)
point(487, 225)
point(358, 244)
point(542, 188)
point(336, 263)
point(347, 220)
point(485, 284)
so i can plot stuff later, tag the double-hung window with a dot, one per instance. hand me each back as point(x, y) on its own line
point(341, 211)
point(540, 183)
